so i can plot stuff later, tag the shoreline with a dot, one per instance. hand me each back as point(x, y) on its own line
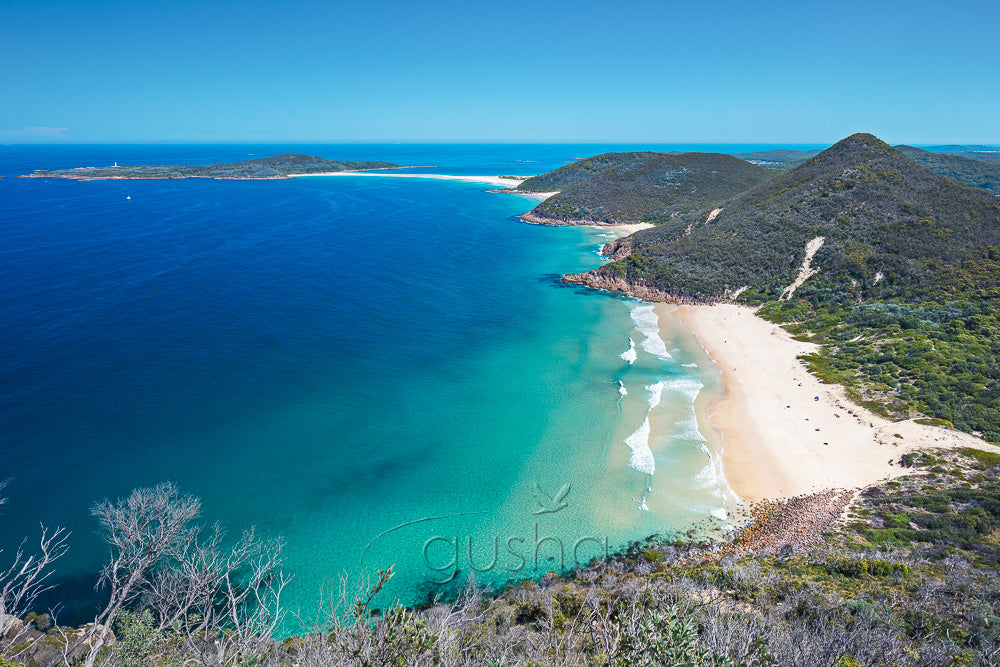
point(624, 229)
point(507, 183)
point(533, 218)
point(782, 432)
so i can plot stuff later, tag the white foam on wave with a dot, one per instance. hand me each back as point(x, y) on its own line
point(645, 317)
point(655, 346)
point(648, 323)
point(629, 355)
point(655, 393)
point(687, 429)
point(642, 456)
point(622, 391)
point(708, 478)
point(711, 478)
point(687, 386)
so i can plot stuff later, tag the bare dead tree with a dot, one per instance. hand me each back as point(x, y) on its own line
point(150, 525)
point(21, 584)
point(240, 588)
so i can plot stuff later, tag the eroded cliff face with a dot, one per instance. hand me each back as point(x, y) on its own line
point(638, 288)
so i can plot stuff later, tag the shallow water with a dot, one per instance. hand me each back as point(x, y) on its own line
point(381, 371)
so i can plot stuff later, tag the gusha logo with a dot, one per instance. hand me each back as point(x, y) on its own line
point(551, 505)
point(445, 557)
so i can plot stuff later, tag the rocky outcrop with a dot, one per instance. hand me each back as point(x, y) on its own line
point(618, 249)
point(538, 219)
point(535, 219)
point(635, 287)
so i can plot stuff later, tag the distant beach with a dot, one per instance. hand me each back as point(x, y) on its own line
point(499, 181)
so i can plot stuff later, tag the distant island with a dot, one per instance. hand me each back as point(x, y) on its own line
point(287, 165)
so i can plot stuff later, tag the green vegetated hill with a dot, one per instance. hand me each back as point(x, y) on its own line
point(580, 170)
point(877, 211)
point(983, 156)
point(974, 172)
point(278, 166)
point(642, 186)
point(905, 301)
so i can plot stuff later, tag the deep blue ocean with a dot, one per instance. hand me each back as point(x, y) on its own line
point(378, 370)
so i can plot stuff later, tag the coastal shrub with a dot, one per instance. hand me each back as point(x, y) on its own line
point(653, 556)
point(667, 638)
point(889, 536)
point(529, 612)
point(40, 621)
point(847, 661)
point(570, 601)
point(137, 639)
point(857, 567)
point(558, 618)
point(987, 459)
point(858, 607)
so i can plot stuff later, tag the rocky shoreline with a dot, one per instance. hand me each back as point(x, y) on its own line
point(637, 288)
point(537, 219)
point(618, 249)
point(794, 524)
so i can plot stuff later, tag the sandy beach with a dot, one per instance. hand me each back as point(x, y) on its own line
point(498, 181)
point(625, 230)
point(781, 430)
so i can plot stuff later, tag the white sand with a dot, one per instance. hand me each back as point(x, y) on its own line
point(498, 181)
point(778, 441)
point(625, 230)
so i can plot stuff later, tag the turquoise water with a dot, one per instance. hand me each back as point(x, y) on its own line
point(380, 371)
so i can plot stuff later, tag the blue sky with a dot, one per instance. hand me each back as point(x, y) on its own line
point(757, 71)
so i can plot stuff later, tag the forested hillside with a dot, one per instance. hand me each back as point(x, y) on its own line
point(974, 172)
point(641, 187)
point(905, 294)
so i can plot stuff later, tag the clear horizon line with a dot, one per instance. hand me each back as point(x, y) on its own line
point(765, 142)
